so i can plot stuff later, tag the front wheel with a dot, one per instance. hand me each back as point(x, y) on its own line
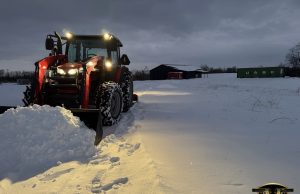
point(110, 102)
point(29, 93)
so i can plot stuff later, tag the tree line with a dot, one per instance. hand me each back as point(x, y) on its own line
point(15, 76)
point(292, 58)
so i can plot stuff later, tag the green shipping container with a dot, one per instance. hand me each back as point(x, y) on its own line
point(260, 72)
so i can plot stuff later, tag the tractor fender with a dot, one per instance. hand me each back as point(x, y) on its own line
point(119, 73)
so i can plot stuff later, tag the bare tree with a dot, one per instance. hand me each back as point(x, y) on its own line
point(293, 56)
point(204, 67)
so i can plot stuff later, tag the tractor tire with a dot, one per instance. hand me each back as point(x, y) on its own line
point(127, 89)
point(109, 100)
point(29, 93)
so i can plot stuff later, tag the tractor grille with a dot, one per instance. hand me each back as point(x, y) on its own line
point(62, 97)
point(63, 81)
point(63, 91)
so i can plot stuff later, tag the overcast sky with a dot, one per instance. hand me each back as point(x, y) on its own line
point(219, 33)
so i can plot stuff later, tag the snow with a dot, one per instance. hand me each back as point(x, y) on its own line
point(36, 138)
point(212, 135)
point(11, 94)
point(228, 135)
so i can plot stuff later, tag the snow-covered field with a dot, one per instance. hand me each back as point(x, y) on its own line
point(212, 135)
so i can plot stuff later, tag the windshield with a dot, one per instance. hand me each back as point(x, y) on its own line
point(81, 50)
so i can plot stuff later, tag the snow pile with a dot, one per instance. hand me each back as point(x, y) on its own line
point(38, 137)
point(120, 165)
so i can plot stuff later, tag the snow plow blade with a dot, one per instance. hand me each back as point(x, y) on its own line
point(90, 117)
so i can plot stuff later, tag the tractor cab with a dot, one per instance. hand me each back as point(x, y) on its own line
point(89, 60)
point(79, 49)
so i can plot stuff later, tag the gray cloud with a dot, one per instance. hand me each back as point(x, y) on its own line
point(214, 32)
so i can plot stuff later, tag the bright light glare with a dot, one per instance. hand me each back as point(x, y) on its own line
point(90, 64)
point(61, 71)
point(162, 93)
point(108, 64)
point(107, 36)
point(72, 71)
point(69, 35)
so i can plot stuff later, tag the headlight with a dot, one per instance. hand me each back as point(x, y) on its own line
point(72, 71)
point(61, 71)
point(80, 69)
point(69, 35)
point(108, 64)
point(107, 36)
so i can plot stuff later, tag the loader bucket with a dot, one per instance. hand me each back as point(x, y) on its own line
point(92, 118)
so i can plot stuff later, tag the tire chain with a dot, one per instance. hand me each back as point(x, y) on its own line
point(103, 101)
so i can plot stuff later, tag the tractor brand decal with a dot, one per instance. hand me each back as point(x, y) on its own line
point(272, 188)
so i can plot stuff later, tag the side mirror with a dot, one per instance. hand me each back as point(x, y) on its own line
point(49, 44)
point(124, 60)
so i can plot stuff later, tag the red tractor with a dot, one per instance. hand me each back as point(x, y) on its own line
point(90, 78)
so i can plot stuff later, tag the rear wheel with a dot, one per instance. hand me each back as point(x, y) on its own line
point(110, 102)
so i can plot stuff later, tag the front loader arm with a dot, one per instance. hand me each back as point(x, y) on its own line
point(88, 68)
point(41, 68)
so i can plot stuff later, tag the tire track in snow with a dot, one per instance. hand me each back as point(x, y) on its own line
point(123, 149)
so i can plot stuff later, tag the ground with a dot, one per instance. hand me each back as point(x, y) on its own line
point(211, 135)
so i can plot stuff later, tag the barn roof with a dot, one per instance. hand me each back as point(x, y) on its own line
point(184, 67)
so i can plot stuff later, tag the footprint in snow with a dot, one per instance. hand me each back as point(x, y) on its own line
point(98, 188)
point(130, 148)
point(114, 161)
point(96, 182)
point(78, 187)
point(133, 149)
point(100, 160)
point(55, 175)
